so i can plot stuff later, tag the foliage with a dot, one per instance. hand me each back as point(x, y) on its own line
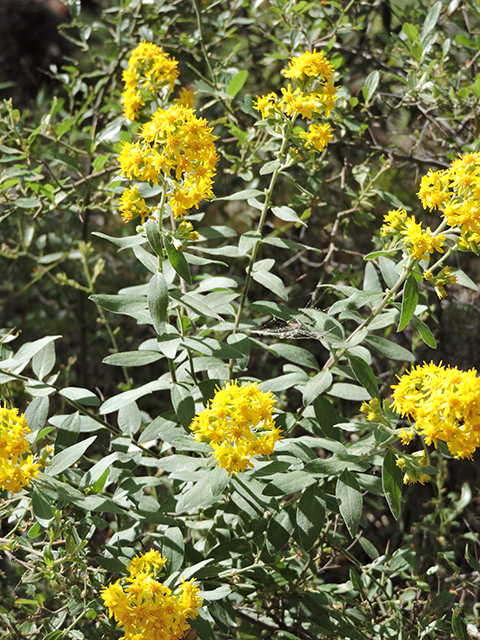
point(178, 419)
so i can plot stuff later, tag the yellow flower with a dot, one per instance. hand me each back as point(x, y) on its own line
point(17, 466)
point(238, 424)
point(133, 205)
point(266, 104)
point(146, 608)
point(394, 222)
point(444, 403)
point(148, 68)
point(186, 98)
point(310, 64)
point(418, 242)
point(318, 136)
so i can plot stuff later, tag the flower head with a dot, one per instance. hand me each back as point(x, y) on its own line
point(309, 64)
point(17, 466)
point(150, 69)
point(444, 403)
point(238, 424)
point(147, 608)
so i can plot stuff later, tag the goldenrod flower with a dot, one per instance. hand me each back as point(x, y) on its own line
point(314, 96)
point(133, 205)
point(309, 64)
point(418, 242)
point(151, 69)
point(444, 403)
point(319, 135)
point(394, 222)
point(456, 191)
point(147, 608)
point(238, 424)
point(17, 466)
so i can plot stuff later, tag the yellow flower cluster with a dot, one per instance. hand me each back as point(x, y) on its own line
point(413, 467)
point(313, 97)
point(147, 608)
point(17, 467)
point(418, 242)
point(175, 148)
point(456, 191)
point(444, 402)
point(440, 281)
point(238, 424)
point(150, 68)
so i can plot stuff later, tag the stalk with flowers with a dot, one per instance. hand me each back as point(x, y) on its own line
point(247, 493)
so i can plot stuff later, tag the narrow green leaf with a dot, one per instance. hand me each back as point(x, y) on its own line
point(409, 301)
point(389, 349)
point(236, 83)
point(349, 496)
point(370, 86)
point(68, 457)
point(157, 300)
point(183, 404)
point(177, 260)
point(154, 236)
point(280, 528)
point(41, 508)
point(173, 548)
point(80, 395)
point(431, 19)
point(133, 358)
point(288, 214)
point(364, 374)
point(44, 361)
point(425, 333)
point(392, 482)
point(243, 195)
point(37, 413)
point(348, 391)
point(320, 383)
point(271, 282)
point(310, 516)
point(458, 625)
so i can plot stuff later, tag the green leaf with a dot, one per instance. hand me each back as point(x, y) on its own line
point(154, 236)
point(390, 349)
point(295, 354)
point(458, 625)
point(370, 86)
point(133, 358)
point(425, 333)
point(114, 404)
point(280, 528)
point(44, 361)
point(237, 82)
point(177, 260)
point(68, 457)
point(82, 396)
point(243, 195)
point(289, 482)
point(317, 385)
point(409, 301)
point(392, 482)
point(310, 516)
point(271, 282)
point(173, 548)
point(364, 374)
point(129, 305)
point(431, 19)
point(183, 404)
point(349, 496)
point(37, 413)
point(98, 469)
point(288, 214)
point(157, 300)
point(348, 392)
point(41, 508)
point(26, 352)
